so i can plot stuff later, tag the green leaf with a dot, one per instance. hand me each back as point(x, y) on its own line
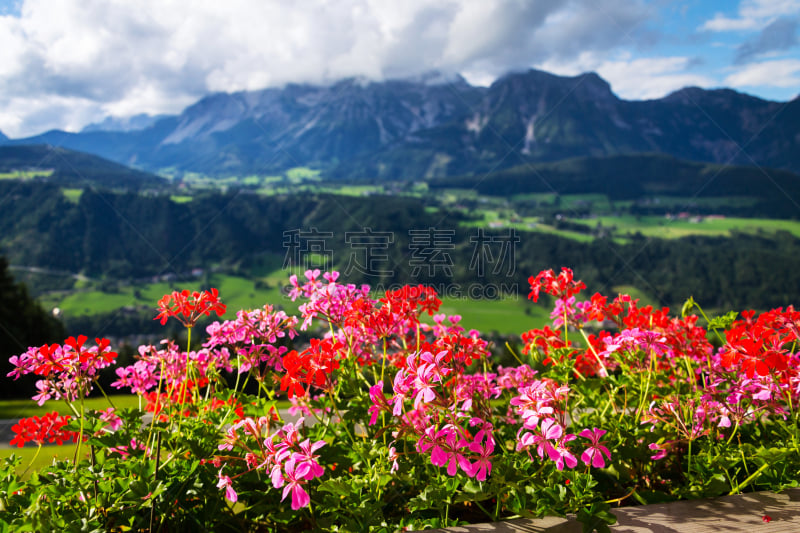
point(597, 518)
point(724, 321)
point(335, 486)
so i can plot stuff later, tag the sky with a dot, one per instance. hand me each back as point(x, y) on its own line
point(67, 63)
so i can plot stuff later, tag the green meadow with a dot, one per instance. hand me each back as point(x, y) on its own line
point(237, 293)
point(662, 227)
point(26, 174)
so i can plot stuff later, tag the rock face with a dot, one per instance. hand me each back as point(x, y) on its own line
point(436, 125)
point(136, 122)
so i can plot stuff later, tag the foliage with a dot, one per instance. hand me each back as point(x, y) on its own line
point(405, 425)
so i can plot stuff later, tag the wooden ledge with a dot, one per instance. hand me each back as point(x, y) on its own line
point(731, 514)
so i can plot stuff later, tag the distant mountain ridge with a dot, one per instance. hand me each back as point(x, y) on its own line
point(438, 126)
point(136, 122)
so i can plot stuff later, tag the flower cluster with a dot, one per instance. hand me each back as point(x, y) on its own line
point(188, 307)
point(68, 371)
point(312, 366)
point(290, 462)
point(168, 365)
point(49, 427)
point(404, 404)
point(252, 336)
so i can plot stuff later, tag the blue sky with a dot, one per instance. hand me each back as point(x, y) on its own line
point(67, 63)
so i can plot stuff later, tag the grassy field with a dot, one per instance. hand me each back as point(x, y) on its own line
point(26, 174)
point(664, 228)
point(73, 195)
point(25, 408)
point(494, 313)
point(181, 198)
point(15, 409)
point(237, 293)
point(511, 315)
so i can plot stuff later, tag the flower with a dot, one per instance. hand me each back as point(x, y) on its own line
point(594, 453)
point(313, 365)
point(188, 307)
point(48, 427)
point(562, 286)
point(110, 417)
point(68, 371)
point(226, 483)
point(766, 518)
point(295, 475)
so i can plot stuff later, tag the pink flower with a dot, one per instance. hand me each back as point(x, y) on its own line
point(306, 456)
point(295, 475)
point(661, 451)
point(379, 402)
point(110, 417)
point(226, 483)
point(483, 466)
point(594, 453)
point(561, 455)
point(393, 458)
point(550, 430)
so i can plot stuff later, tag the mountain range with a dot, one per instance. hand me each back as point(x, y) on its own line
point(433, 127)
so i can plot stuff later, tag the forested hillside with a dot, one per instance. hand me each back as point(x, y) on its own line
point(23, 323)
point(113, 236)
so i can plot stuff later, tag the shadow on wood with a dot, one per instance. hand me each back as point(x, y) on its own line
point(732, 514)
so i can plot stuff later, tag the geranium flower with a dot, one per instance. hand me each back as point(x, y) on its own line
point(594, 453)
point(226, 483)
point(188, 307)
point(560, 454)
point(48, 427)
point(295, 476)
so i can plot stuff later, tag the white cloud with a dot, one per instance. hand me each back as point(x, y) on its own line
point(777, 73)
point(635, 78)
point(753, 15)
point(156, 56)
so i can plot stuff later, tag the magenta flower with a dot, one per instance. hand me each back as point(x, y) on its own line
point(561, 455)
point(594, 453)
point(661, 451)
point(295, 476)
point(379, 402)
point(226, 483)
point(306, 456)
point(447, 452)
point(111, 418)
point(550, 430)
point(483, 466)
point(393, 456)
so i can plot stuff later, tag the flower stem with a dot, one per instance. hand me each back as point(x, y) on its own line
point(106, 395)
point(750, 478)
point(80, 438)
point(35, 455)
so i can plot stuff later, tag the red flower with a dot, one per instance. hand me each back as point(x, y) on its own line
point(47, 428)
point(562, 286)
point(766, 518)
point(312, 366)
point(187, 307)
point(405, 300)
